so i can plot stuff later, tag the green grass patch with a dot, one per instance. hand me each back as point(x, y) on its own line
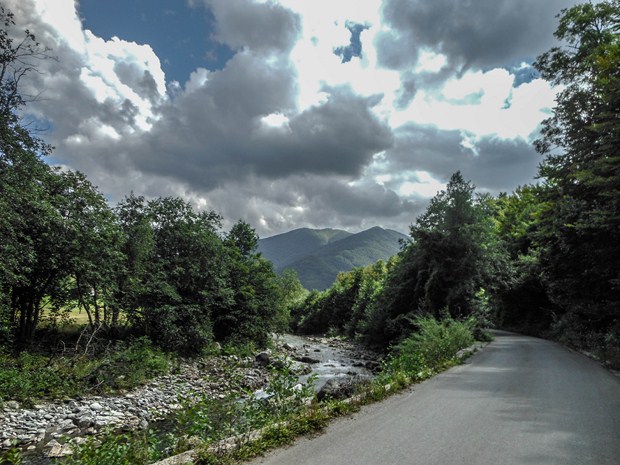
point(30, 377)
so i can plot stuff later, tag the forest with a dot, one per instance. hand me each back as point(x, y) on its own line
point(543, 260)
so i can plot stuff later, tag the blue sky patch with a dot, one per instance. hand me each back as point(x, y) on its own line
point(354, 49)
point(180, 35)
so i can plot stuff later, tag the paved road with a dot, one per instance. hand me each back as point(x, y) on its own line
point(520, 401)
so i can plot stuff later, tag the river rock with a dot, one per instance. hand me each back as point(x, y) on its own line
point(306, 359)
point(263, 358)
point(96, 406)
point(11, 405)
point(337, 388)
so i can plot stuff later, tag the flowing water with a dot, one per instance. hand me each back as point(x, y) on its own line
point(334, 358)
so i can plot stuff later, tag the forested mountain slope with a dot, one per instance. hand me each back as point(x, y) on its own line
point(319, 255)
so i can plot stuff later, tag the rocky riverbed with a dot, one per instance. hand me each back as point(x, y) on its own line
point(46, 427)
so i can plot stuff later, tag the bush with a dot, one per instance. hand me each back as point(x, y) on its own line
point(185, 329)
point(128, 366)
point(433, 346)
point(139, 448)
point(30, 376)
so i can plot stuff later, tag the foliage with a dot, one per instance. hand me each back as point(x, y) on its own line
point(138, 448)
point(213, 419)
point(291, 295)
point(452, 255)
point(13, 456)
point(434, 342)
point(31, 376)
point(341, 308)
point(579, 231)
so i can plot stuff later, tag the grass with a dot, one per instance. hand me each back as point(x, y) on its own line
point(30, 376)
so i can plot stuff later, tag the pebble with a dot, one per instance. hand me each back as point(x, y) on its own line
point(89, 415)
point(85, 416)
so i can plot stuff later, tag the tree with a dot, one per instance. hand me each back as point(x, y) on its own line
point(291, 294)
point(580, 229)
point(442, 269)
point(185, 278)
point(253, 311)
point(519, 296)
point(24, 202)
point(93, 250)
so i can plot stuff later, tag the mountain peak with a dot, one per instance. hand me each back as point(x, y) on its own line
point(318, 255)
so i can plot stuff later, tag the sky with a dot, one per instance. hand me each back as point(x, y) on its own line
point(293, 113)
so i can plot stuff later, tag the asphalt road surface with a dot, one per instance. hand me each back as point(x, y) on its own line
point(520, 401)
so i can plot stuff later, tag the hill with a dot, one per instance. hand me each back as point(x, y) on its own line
point(289, 247)
point(319, 255)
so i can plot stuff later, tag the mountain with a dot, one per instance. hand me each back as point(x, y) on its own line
point(289, 247)
point(319, 255)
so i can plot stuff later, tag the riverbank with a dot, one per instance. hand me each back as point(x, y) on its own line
point(52, 428)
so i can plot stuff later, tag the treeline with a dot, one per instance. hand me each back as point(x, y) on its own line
point(544, 259)
point(156, 268)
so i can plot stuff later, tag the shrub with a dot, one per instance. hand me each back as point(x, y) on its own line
point(433, 346)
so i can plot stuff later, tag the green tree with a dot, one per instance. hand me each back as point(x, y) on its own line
point(519, 295)
point(185, 279)
point(137, 250)
point(442, 269)
point(291, 295)
point(23, 173)
point(580, 229)
point(93, 250)
point(252, 313)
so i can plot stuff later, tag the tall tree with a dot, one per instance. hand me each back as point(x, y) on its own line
point(253, 311)
point(26, 212)
point(185, 280)
point(443, 267)
point(580, 230)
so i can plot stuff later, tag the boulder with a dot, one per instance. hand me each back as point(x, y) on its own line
point(12, 405)
point(337, 388)
point(264, 358)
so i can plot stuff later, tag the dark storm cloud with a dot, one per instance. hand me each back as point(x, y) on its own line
point(262, 27)
point(366, 199)
point(325, 201)
point(339, 136)
point(494, 165)
point(212, 135)
point(411, 82)
point(481, 33)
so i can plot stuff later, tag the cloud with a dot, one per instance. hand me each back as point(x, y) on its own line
point(289, 133)
point(481, 34)
point(261, 27)
point(313, 201)
point(491, 163)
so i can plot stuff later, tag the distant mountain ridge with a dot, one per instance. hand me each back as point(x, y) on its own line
point(318, 255)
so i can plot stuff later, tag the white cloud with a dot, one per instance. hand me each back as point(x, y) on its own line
point(483, 104)
point(424, 185)
point(430, 61)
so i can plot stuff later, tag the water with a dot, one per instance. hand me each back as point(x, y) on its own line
point(335, 359)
